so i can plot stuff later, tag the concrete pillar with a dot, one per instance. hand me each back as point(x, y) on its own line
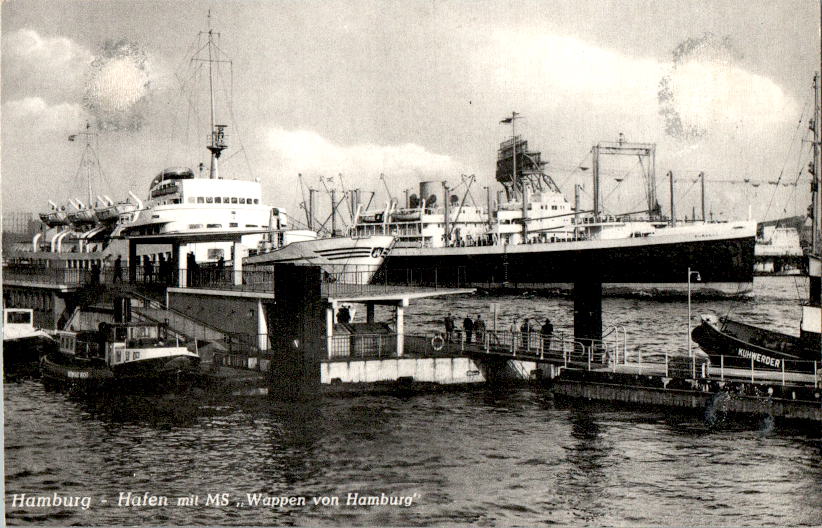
point(238, 264)
point(330, 310)
point(400, 323)
point(132, 261)
point(179, 264)
point(369, 312)
point(262, 326)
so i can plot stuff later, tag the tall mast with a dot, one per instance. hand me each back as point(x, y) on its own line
point(816, 169)
point(88, 158)
point(514, 180)
point(217, 140)
point(88, 165)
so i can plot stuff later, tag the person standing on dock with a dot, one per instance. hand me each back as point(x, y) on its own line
point(547, 334)
point(148, 268)
point(515, 333)
point(479, 329)
point(468, 328)
point(118, 269)
point(526, 333)
point(343, 315)
point(449, 327)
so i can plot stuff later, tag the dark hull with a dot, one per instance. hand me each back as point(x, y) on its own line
point(742, 344)
point(725, 265)
point(151, 376)
point(21, 357)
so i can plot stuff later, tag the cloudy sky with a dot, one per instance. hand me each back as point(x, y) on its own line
point(414, 90)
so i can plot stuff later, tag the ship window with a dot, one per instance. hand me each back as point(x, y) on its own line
point(19, 317)
point(136, 355)
point(119, 356)
point(200, 199)
point(554, 207)
point(128, 355)
point(233, 199)
point(232, 224)
point(249, 201)
point(226, 199)
point(191, 199)
point(256, 201)
point(251, 225)
point(218, 200)
point(242, 200)
point(209, 199)
point(195, 226)
point(215, 225)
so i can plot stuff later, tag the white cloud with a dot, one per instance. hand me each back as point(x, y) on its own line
point(52, 67)
point(309, 153)
point(550, 72)
point(300, 151)
point(33, 114)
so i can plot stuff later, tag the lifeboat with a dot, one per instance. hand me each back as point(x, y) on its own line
point(406, 216)
point(54, 218)
point(110, 213)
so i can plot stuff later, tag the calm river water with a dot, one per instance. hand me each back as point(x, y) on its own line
point(483, 457)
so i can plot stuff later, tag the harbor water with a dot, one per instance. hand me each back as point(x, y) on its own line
point(480, 457)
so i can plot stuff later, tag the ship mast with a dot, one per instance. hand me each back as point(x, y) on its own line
point(523, 189)
point(217, 137)
point(87, 159)
point(815, 172)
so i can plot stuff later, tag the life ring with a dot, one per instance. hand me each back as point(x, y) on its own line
point(437, 342)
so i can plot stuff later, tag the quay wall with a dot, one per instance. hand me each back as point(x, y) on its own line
point(437, 370)
point(228, 313)
point(737, 404)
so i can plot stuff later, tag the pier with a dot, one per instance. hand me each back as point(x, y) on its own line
point(279, 332)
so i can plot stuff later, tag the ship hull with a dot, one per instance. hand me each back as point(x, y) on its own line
point(652, 265)
point(349, 260)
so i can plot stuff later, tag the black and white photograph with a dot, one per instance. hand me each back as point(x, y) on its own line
point(411, 263)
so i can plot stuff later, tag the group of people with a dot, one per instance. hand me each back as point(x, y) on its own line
point(525, 330)
point(475, 330)
point(471, 328)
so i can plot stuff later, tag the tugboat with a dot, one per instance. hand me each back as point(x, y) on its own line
point(131, 357)
point(23, 344)
point(769, 349)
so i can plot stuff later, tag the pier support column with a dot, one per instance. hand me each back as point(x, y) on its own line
point(238, 264)
point(400, 323)
point(296, 330)
point(262, 326)
point(588, 301)
point(330, 310)
point(132, 261)
point(369, 312)
point(177, 262)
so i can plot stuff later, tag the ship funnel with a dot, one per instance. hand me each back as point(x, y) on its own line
point(429, 191)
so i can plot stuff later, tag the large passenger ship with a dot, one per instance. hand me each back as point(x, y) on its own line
point(531, 237)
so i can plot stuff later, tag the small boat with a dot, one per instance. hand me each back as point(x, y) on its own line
point(769, 349)
point(54, 218)
point(82, 216)
point(109, 214)
point(122, 356)
point(23, 344)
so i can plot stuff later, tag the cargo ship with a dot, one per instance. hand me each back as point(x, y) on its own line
point(532, 237)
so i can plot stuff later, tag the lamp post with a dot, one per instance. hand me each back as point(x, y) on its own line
point(690, 351)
